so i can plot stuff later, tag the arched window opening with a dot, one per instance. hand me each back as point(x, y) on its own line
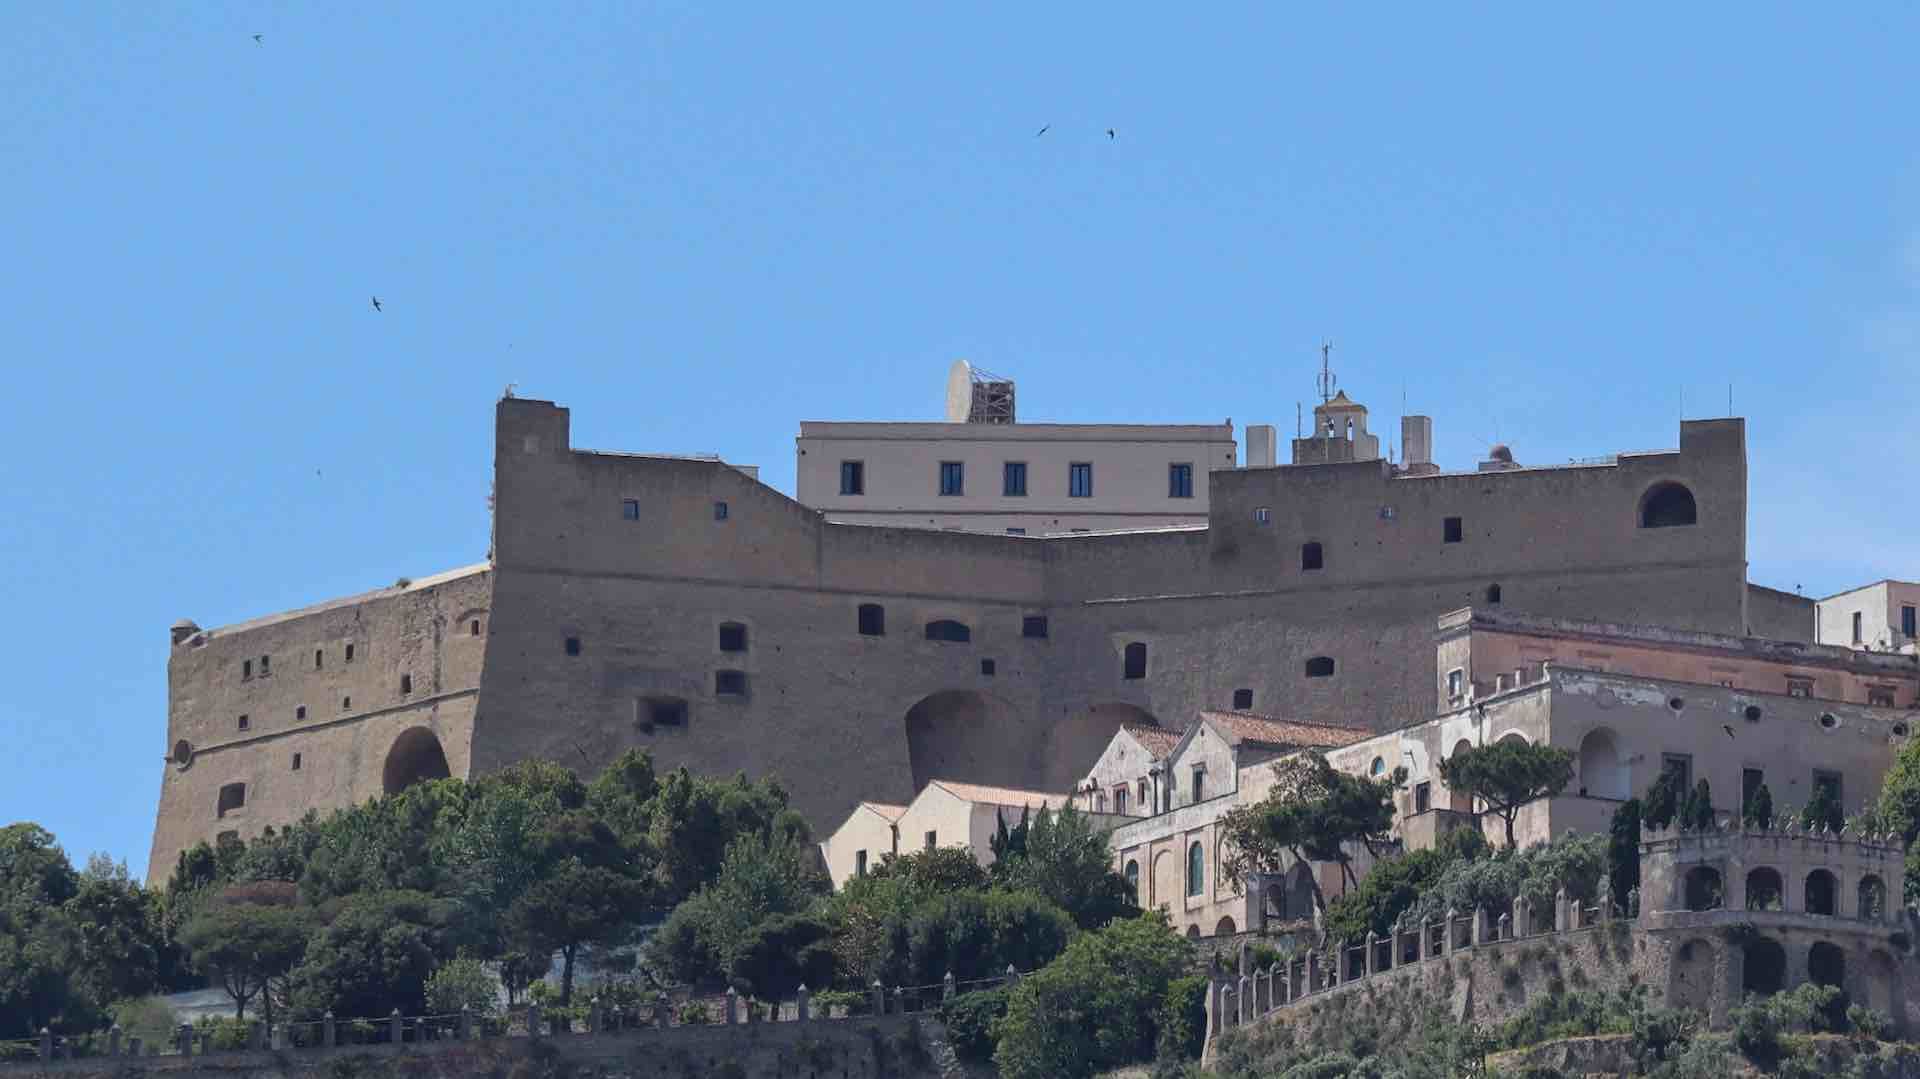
point(1667, 505)
point(1766, 967)
point(1460, 801)
point(873, 620)
point(1493, 595)
point(946, 629)
point(733, 637)
point(1193, 932)
point(1224, 928)
point(1765, 891)
point(1146, 799)
point(1196, 870)
point(1243, 699)
point(1133, 879)
point(416, 756)
point(1602, 775)
point(1311, 557)
point(1378, 766)
point(1136, 660)
point(1827, 965)
point(1320, 667)
point(1704, 889)
point(1873, 899)
point(232, 796)
point(183, 753)
point(1821, 890)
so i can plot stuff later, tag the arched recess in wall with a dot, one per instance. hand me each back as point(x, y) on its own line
point(416, 756)
point(1884, 991)
point(1763, 966)
point(1602, 772)
point(1667, 505)
point(1165, 883)
point(1459, 801)
point(1078, 739)
point(972, 737)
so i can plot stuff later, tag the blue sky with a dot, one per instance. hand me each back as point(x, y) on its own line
point(698, 225)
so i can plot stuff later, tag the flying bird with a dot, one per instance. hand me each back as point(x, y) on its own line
point(257, 37)
point(1042, 131)
point(1728, 729)
point(376, 304)
point(1109, 133)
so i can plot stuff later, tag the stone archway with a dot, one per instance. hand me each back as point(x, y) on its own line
point(1822, 893)
point(971, 737)
point(1705, 890)
point(1459, 801)
point(1765, 890)
point(1827, 965)
point(1074, 743)
point(1165, 882)
point(1224, 928)
point(416, 756)
point(1763, 967)
point(1602, 775)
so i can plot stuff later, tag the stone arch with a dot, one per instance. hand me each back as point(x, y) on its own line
point(1690, 975)
point(1291, 898)
point(1459, 801)
point(1165, 878)
point(1763, 966)
point(416, 757)
point(970, 736)
point(1224, 927)
point(1704, 889)
point(1602, 772)
point(1072, 742)
point(1873, 899)
point(1765, 889)
point(1667, 505)
point(1827, 965)
point(1823, 893)
point(1193, 932)
point(1515, 737)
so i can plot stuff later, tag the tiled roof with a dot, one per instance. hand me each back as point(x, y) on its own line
point(1006, 796)
point(891, 812)
point(1158, 741)
point(1270, 730)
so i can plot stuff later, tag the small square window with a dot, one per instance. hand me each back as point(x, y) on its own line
point(1080, 479)
point(300, 712)
point(1450, 530)
point(629, 509)
point(1013, 479)
point(730, 683)
point(406, 683)
point(245, 723)
point(733, 637)
point(1180, 481)
point(667, 712)
point(573, 646)
point(872, 620)
point(719, 511)
point(1799, 687)
point(296, 762)
point(853, 477)
point(986, 667)
point(1243, 699)
point(1262, 516)
point(953, 478)
point(1034, 626)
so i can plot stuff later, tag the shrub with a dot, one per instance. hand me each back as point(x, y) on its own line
point(1113, 973)
point(225, 1033)
point(462, 983)
point(694, 1013)
point(151, 1019)
point(977, 935)
point(970, 1020)
point(1183, 1019)
point(1869, 1023)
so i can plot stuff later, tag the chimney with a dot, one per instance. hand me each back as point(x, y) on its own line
point(1416, 445)
point(1260, 445)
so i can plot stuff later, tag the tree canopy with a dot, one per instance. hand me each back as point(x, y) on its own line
point(1313, 813)
point(1507, 775)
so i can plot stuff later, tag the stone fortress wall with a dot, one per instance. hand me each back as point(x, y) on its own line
point(624, 608)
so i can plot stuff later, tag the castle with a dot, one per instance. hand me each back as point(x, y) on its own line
point(680, 606)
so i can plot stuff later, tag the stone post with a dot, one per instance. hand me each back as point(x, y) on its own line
point(1216, 1004)
point(134, 1046)
point(1446, 936)
point(1563, 920)
point(533, 1019)
point(879, 995)
point(1479, 926)
point(1506, 927)
point(1246, 957)
point(753, 1010)
point(396, 1027)
point(256, 1035)
point(660, 1007)
point(1373, 950)
point(1426, 941)
point(186, 1039)
point(1606, 902)
point(947, 987)
point(113, 1041)
point(1522, 917)
point(899, 1001)
point(733, 1006)
point(1013, 976)
point(596, 1023)
point(1286, 981)
point(466, 1022)
point(801, 998)
point(327, 1031)
point(280, 1037)
point(1312, 973)
point(1241, 994)
point(46, 1045)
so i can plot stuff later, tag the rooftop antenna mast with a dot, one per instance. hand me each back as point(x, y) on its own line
point(1327, 382)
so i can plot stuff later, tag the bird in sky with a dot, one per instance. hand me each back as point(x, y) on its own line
point(1042, 131)
point(1109, 134)
point(257, 37)
point(376, 304)
point(1728, 729)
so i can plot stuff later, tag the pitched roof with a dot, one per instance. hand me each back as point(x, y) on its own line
point(1156, 740)
point(1005, 796)
point(891, 812)
point(1273, 731)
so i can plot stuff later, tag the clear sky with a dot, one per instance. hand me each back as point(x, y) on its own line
point(698, 225)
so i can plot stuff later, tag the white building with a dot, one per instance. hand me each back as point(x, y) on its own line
point(1883, 616)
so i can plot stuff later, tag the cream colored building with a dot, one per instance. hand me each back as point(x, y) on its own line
point(1883, 616)
point(944, 814)
point(983, 472)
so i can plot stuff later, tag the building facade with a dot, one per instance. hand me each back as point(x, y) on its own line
point(1883, 616)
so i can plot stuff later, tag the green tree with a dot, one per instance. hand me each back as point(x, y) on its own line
point(1065, 860)
point(463, 983)
point(1508, 775)
point(1696, 812)
point(783, 952)
point(241, 946)
point(1623, 850)
point(622, 795)
point(760, 877)
point(933, 871)
point(578, 904)
point(1396, 884)
point(1823, 810)
point(375, 955)
point(977, 935)
point(1097, 1006)
point(1759, 808)
point(1662, 803)
point(1008, 842)
point(695, 820)
point(1313, 813)
point(122, 941)
point(40, 946)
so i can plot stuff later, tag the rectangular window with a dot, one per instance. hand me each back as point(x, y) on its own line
point(266, 664)
point(406, 683)
point(859, 863)
point(1456, 683)
point(1681, 763)
point(1908, 617)
point(1034, 626)
point(1830, 781)
point(1880, 696)
point(953, 478)
point(1799, 687)
point(1199, 784)
point(1450, 530)
point(629, 509)
point(318, 658)
point(246, 669)
point(573, 646)
point(932, 839)
point(296, 762)
point(719, 511)
point(349, 653)
point(1750, 780)
point(1856, 631)
point(473, 628)
point(1016, 531)
point(346, 703)
point(730, 683)
point(1119, 799)
point(1263, 515)
point(1422, 797)
point(1080, 479)
point(1179, 481)
point(244, 724)
point(1013, 479)
point(300, 712)
point(853, 477)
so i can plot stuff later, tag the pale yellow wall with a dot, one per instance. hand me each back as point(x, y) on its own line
point(864, 829)
point(1124, 763)
point(1204, 749)
point(935, 810)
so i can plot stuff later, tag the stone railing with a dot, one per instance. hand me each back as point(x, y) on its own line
point(529, 1021)
point(1233, 1000)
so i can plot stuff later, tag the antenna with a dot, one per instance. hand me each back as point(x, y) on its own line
point(1327, 383)
point(1298, 431)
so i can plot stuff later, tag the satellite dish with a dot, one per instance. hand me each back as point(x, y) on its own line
point(959, 391)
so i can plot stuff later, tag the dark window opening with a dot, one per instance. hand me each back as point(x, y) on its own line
point(666, 712)
point(719, 511)
point(946, 629)
point(730, 683)
point(1199, 784)
point(1909, 616)
point(349, 653)
point(1311, 557)
point(859, 863)
point(1880, 696)
point(629, 509)
point(1179, 481)
point(406, 683)
point(1422, 797)
point(1080, 480)
point(733, 637)
point(300, 712)
point(1856, 638)
point(1013, 479)
point(473, 628)
point(232, 796)
point(1681, 765)
point(266, 666)
point(296, 762)
point(1751, 779)
point(1799, 687)
point(853, 477)
point(986, 667)
point(932, 838)
point(573, 646)
point(953, 478)
point(1821, 893)
point(346, 703)
point(1450, 530)
point(1667, 505)
point(1034, 626)
point(1243, 698)
point(1752, 713)
point(1262, 515)
point(1320, 667)
point(1828, 720)
point(1493, 595)
point(1016, 531)
point(319, 658)
point(244, 723)
point(1135, 665)
point(873, 620)
point(246, 669)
